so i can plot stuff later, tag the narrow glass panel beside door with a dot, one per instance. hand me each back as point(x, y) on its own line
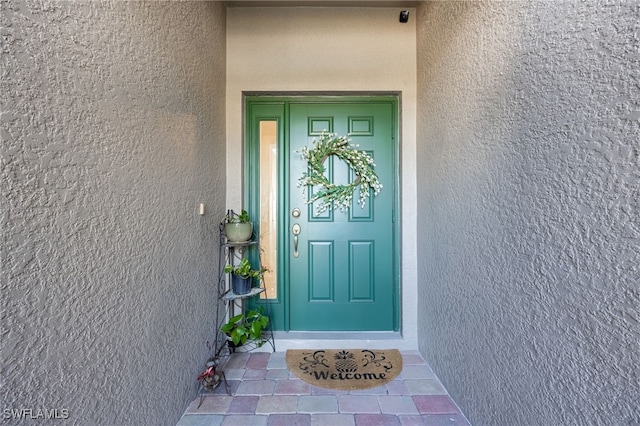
point(269, 204)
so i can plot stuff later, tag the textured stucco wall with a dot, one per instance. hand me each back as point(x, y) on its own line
point(529, 146)
point(112, 126)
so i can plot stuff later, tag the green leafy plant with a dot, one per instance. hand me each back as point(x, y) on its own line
point(244, 270)
point(237, 227)
point(241, 328)
point(233, 217)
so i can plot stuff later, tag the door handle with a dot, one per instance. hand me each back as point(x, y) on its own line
point(296, 231)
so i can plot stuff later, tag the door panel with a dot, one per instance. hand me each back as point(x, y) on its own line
point(344, 278)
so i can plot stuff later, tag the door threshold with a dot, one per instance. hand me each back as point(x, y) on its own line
point(285, 340)
point(338, 335)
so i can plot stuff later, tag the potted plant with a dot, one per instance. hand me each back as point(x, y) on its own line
point(242, 274)
point(237, 227)
point(241, 328)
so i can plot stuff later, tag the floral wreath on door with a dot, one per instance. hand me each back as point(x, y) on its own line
point(328, 193)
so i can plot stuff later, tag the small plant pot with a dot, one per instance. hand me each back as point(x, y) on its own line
point(240, 285)
point(238, 232)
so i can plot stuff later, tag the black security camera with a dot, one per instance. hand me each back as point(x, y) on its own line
point(404, 16)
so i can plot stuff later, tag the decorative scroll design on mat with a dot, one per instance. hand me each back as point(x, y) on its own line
point(347, 369)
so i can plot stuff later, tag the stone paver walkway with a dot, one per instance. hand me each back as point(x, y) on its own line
point(266, 393)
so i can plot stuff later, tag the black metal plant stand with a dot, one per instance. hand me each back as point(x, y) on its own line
point(229, 305)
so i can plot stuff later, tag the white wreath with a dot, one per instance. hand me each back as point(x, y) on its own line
point(327, 192)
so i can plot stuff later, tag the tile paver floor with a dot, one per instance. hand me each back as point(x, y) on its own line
point(265, 393)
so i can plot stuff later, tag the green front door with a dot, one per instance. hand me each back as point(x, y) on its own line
point(337, 271)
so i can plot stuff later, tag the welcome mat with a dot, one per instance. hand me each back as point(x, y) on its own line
point(348, 369)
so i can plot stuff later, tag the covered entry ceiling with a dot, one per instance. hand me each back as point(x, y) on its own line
point(317, 3)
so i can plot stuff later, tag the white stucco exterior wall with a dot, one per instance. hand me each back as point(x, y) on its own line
point(282, 49)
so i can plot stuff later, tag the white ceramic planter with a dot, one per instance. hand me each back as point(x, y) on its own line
point(238, 232)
